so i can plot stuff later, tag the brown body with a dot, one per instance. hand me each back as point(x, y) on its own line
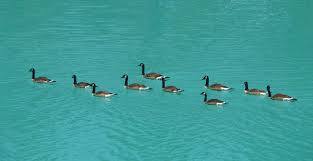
point(171, 89)
point(153, 76)
point(218, 87)
point(212, 101)
point(134, 86)
point(101, 93)
point(279, 96)
point(40, 79)
point(255, 92)
point(137, 86)
point(82, 85)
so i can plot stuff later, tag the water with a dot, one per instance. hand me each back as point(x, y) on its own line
point(262, 42)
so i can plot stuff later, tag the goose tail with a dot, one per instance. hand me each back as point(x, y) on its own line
point(51, 81)
point(180, 90)
point(146, 88)
point(293, 99)
point(111, 94)
point(227, 88)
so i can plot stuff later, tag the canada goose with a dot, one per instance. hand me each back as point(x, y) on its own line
point(171, 89)
point(80, 84)
point(280, 97)
point(151, 75)
point(40, 79)
point(101, 93)
point(212, 101)
point(253, 91)
point(134, 86)
point(217, 87)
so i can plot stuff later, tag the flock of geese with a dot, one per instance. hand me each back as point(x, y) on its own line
point(171, 89)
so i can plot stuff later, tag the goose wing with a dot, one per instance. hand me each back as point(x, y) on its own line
point(214, 102)
point(172, 89)
point(104, 94)
point(255, 91)
point(281, 96)
point(83, 84)
point(218, 87)
point(153, 75)
point(42, 80)
point(136, 85)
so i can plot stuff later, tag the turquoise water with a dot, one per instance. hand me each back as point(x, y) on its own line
point(262, 42)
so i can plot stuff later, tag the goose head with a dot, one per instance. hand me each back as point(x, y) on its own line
point(205, 77)
point(124, 76)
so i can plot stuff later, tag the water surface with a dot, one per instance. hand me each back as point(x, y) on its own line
point(262, 42)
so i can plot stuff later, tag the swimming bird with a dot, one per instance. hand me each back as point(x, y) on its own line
point(279, 96)
point(40, 79)
point(171, 89)
point(253, 91)
point(101, 93)
point(212, 101)
point(134, 86)
point(217, 87)
point(80, 84)
point(151, 75)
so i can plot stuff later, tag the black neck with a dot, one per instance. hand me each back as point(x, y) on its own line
point(75, 81)
point(33, 74)
point(143, 70)
point(207, 81)
point(205, 98)
point(246, 86)
point(163, 83)
point(269, 92)
point(126, 81)
point(94, 89)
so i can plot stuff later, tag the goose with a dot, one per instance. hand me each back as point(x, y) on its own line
point(134, 86)
point(253, 91)
point(151, 75)
point(279, 96)
point(80, 84)
point(217, 87)
point(212, 101)
point(40, 79)
point(101, 93)
point(171, 89)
